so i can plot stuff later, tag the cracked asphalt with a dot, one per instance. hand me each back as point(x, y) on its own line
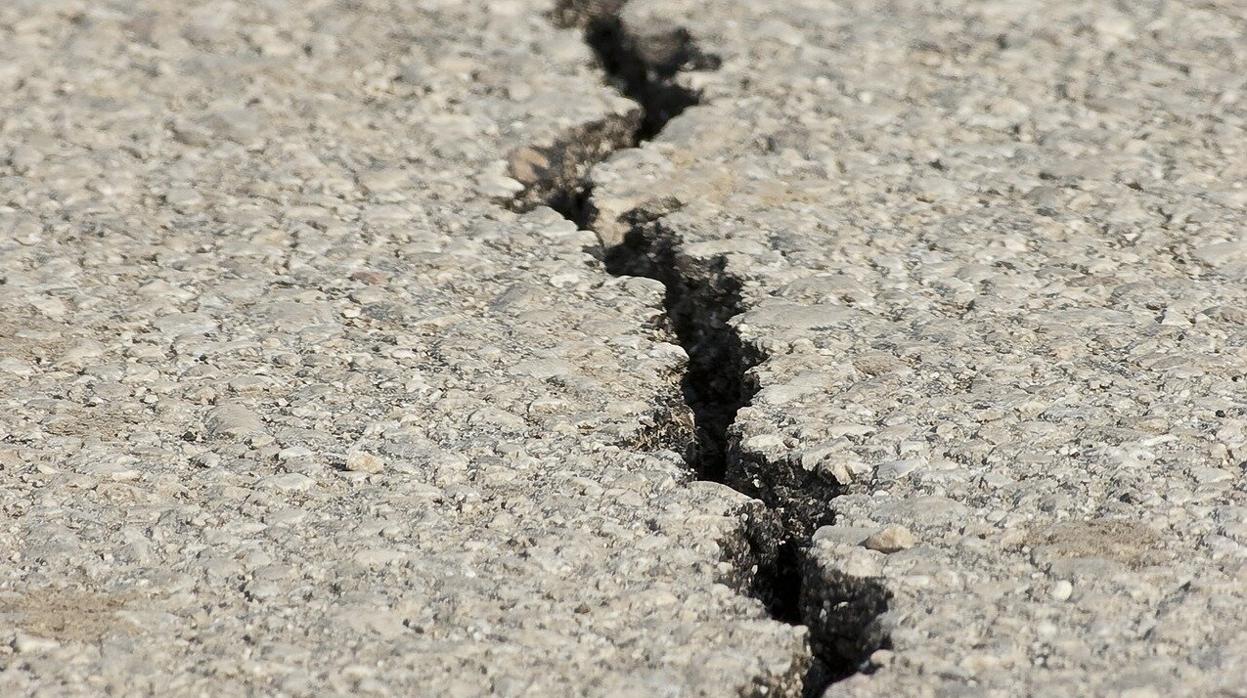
point(523, 348)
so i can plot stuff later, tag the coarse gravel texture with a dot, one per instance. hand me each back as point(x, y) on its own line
point(990, 264)
point(293, 403)
point(305, 392)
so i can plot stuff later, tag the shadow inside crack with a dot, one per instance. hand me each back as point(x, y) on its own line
point(701, 298)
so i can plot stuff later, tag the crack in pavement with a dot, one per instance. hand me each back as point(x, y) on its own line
point(701, 300)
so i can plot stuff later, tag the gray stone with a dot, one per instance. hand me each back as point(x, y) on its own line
point(1013, 302)
point(293, 360)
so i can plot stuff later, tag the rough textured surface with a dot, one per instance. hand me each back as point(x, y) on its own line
point(293, 404)
point(991, 256)
point(304, 393)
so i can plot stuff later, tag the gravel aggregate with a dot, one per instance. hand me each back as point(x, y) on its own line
point(988, 261)
point(294, 404)
point(623, 348)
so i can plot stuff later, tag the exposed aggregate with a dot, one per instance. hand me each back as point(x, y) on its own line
point(993, 255)
point(292, 404)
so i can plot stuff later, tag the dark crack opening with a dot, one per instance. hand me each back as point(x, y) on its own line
point(701, 299)
point(642, 70)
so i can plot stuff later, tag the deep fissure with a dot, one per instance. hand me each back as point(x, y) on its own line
point(701, 299)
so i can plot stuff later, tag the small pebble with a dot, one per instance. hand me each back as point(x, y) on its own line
point(890, 540)
point(363, 462)
point(1061, 590)
point(25, 644)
